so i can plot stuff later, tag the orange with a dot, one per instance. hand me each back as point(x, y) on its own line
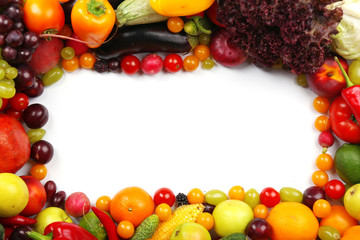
point(351, 233)
point(133, 204)
point(339, 219)
point(292, 220)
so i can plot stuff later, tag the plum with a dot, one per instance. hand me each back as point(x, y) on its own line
point(46, 56)
point(77, 204)
point(224, 51)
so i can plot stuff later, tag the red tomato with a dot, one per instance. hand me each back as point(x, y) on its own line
point(130, 64)
point(335, 189)
point(19, 102)
point(164, 195)
point(173, 63)
point(43, 15)
point(212, 14)
point(269, 197)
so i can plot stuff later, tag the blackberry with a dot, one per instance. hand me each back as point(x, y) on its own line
point(181, 199)
point(101, 66)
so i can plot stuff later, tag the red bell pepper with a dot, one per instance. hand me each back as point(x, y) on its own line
point(351, 94)
point(343, 122)
point(63, 231)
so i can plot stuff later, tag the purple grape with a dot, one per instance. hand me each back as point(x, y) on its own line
point(15, 12)
point(2, 39)
point(208, 207)
point(8, 53)
point(25, 78)
point(20, 233)
point(58, 199)
point(6, 24)
point(20, 2)
point(312, 194)
point(42, 152)
point(36, 89)
point(14, 38)
point(24, 55)
point(258, 229)
point(50, 188)
point(35, 115)
point(19, 25)
point(31, 40)
point(114, 65)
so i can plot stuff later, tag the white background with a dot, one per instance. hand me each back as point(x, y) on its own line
point(207, 129)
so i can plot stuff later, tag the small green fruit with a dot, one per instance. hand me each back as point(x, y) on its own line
point(347, 163)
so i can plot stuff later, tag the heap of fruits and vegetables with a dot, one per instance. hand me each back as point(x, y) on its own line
point(41, 40)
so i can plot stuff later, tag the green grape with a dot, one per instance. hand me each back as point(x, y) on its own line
point(52, 76)
point(204, 39)
point(302, 81)
point(67, 53)
point(289, 194)
point(208, 64)
point(36, 134)
point(2, 73)
point(6, 90)
point(1, 102)
point(4, 64)
point(354, 72)
point(328, 233)
point(252, 198)
point(11, 72)
point(8, 81)
point(214, 197)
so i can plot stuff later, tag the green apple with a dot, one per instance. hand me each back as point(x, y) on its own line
point(232, 216)
point(352, 201)
point(193, 231)
point(50, 215)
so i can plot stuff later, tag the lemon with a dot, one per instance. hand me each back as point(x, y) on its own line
point(14, 195)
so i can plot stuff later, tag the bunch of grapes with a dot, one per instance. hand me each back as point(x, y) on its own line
point(17, 44)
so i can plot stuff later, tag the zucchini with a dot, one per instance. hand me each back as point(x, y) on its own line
point(153, 37)
point(134, 12)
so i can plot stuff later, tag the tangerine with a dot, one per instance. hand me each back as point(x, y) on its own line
point(133, 204)
point(292, 220)
point(352, 233)
point(339, 219)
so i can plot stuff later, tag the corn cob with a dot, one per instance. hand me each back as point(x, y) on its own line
point(186, 213)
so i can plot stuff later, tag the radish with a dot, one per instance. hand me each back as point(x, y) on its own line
point(225, 52)
point(152, 64)
point(77, 204)
point(46, 56)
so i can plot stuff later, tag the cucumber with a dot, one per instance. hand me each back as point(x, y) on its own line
point(2, 232)
point(146, 228)
point(235, 236)
point(92, 223)
point(134, 12)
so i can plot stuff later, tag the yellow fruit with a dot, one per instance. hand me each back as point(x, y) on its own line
point(14, 195)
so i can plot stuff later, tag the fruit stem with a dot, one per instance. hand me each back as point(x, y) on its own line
point(37, 236)
point(347, 79)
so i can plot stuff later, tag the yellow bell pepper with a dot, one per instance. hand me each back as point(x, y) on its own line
point(174, 8)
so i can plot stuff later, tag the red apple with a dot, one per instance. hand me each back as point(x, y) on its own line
point(328, 81)
point(14, 144)
point(37, 196)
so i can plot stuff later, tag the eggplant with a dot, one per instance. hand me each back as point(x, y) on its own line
point(67, 6)
point(153, 37)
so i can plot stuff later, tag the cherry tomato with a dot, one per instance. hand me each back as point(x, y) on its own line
point(324, 162)
point(202, 52)
point(103, 203)
point(39, 171)
point(19, 101)
point(125, 229)
point(173, 63)
point(260, 211)
point(206, 220)
point(321, 104)
point(71, 64)
point(14, 113)
point(335, 189)
point(43, 15)
point(321, 208)
point(130, 64)
point(163, 211)
point(322, 123)
point(237, 192)
point(87, 60)
point(4, 102)
point(195, 195)
point(164, 195)
point(191, 63)
point(175, 24)
point(269, 197)
point(320, 178)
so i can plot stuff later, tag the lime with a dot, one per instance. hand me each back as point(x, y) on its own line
point(347, 163)
point(14, 195)
point(92, 223)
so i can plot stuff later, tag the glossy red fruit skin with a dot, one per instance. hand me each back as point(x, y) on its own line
point(78, 47)
point(14, 144)
point(37, 196)
point(328, 81)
